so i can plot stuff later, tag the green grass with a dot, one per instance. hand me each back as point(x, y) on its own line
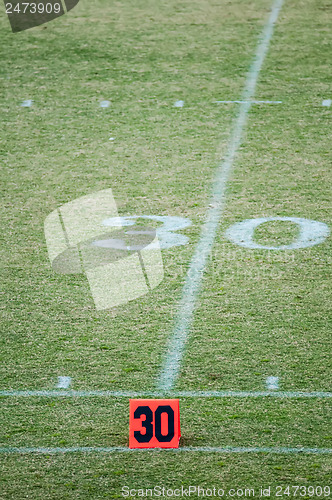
point(260, 313)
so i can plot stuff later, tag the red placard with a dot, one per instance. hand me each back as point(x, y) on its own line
point(154, 423)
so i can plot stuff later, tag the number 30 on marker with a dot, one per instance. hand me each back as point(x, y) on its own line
point(154, 423)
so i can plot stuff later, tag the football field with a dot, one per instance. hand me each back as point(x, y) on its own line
point(211, 123)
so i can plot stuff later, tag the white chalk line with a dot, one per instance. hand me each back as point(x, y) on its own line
point(272, 382)
point(27, 104)
point(327, 103)
point(63, 382)
point(251, 102)
point(191, 288)
point(193, 449)
point(104, 104)
point(161, 394)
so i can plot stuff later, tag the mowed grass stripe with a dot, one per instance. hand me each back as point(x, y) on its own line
point(172, 362)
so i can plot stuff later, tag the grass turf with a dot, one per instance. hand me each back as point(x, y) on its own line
point(259, 314)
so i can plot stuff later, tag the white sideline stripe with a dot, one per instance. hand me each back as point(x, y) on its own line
point(245, 102)
point(161, 394)
point(327, 102)
point(210, 449)
point(192, 284)
point(64, 382)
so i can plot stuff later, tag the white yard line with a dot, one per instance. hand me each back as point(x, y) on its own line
point(161, 394)
point(245, 102)
point(209, 449)
point(191, 288)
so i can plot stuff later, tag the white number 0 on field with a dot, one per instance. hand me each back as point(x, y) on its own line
point(311, 233)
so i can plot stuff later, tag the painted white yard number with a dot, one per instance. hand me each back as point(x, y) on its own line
point(311, 233)
point(242, 233)
point(166, 235)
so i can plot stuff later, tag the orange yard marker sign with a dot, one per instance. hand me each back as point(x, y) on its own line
point(154, 423)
